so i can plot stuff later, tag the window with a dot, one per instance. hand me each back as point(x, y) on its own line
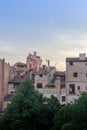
point(40, 75)
point(86, 87)
point(86, 74)
point(15, 86)
point(78, 87)
point(12, 92)
point(39, 85)
point(63, 98)
point(71, 63)
point(75, 74)
point(71, 88)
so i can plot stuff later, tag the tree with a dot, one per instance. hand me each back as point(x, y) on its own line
point(62, 117)
point(53, 103)
point(24, 109)
point(72, 116)
point(48, 110)
point(68, 126)
point(29, 110)
point(79, 112)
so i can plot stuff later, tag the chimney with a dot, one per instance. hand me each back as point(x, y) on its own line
point(35, 53)
point(48, 62)
point(3, 59)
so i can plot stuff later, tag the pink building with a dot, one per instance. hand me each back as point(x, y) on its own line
point(33, 62)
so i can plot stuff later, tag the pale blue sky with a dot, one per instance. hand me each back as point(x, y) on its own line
point(56, 29)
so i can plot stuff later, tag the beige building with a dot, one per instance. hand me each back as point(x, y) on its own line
point(76, 76)
point(45, 81)
point(43, 77)
point(51, 82)
point(5, 71)
point(60, 77)
point(18, 73)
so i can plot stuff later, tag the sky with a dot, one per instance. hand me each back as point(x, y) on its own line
point(56, 29)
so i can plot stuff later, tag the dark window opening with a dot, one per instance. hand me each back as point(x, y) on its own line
point(86, 74)
point(15, 85)
point(12, 92)
point(72, 89)
point(41, 75)
point(86, 87)
point(78, 87)
point(39, 85)
point(75, 74)
point(63, 98)
point(71, 63)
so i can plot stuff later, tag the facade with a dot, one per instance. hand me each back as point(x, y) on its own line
point(33, 62)
point(76, 76)
point(20, 66)
point(5, 70)
point(18, 73)
point(18, 78)
point(46, 82)
point(60, 77)
point(43, 77)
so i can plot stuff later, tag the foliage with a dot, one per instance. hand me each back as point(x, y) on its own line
point(49, 108)
point(72, 116)
point(62, 116)
point(25, 107)
point(53, 103)
point(29, 110)
point(79, 112)
point(68, 126)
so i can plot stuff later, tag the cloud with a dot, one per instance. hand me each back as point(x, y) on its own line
point(52, 45)
point(65, 45)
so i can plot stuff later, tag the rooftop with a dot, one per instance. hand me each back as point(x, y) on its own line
point(20, 77)
point(60, 73)
point(41, 71)
point(77, 59)
point(20, 64)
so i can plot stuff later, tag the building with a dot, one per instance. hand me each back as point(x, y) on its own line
point(60, 77)
point(18, 74)
point(45, 79)
point(76, 76)
point(33, 62)
point(44, 76)
point(5, 71)
point(45, 82)
point(51, 82)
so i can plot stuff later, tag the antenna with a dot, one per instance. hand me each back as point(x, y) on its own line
point(48, 62)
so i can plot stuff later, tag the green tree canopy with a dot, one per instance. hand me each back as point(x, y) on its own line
point(24, 109)
point(79, 112)
point(29, 110)
point(62, 117)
